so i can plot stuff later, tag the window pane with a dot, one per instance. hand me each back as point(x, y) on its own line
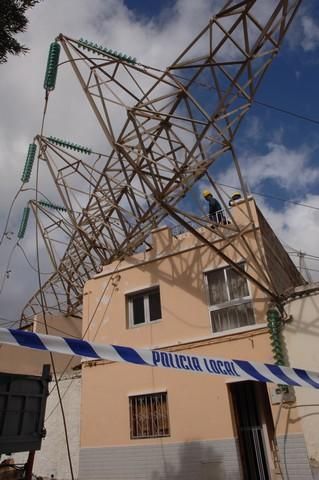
point(155, 305)
point(138, 309)
point(149, 416)
point(232, 317)
point(237, 284)
point(217, 287)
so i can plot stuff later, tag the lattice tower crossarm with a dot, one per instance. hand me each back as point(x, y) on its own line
point(176, 124)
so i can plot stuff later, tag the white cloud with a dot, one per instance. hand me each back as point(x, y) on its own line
point(253, 130)
point(288, 168)
point(305, 32)
point(310, 39)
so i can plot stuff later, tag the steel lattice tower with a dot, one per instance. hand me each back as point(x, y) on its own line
point(177, 124)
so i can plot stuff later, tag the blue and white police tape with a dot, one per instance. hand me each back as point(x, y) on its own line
point(262, 372)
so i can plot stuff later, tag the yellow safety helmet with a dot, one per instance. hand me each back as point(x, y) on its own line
point(206, 193)
point(236, 196)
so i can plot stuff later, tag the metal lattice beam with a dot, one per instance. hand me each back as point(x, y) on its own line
point(176, 124)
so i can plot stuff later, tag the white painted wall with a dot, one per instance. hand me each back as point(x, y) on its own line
point(302, 342)
point(52, 458)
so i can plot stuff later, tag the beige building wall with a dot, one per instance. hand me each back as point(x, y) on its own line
point(202, 418)
point(191, 396)
point(30, 362)
point(185, 315)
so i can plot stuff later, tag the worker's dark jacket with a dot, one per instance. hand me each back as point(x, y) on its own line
point(215, 213)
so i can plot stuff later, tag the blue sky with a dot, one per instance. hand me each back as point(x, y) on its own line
point(149, 9)
point(278, 153)
point(291, 84)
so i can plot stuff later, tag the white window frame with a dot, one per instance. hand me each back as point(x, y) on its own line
point(230, 303)
point(145, 294)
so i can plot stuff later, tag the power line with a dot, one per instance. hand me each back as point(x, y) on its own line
point(13, 322)
point(296, 251)
point(287, 112)
point(9, 323)
point(258, 102)
point(42, 298)
point(7, 272)
point(88, 327)
point(6, 319)
point(303, 254)
point(306, 268)
point(63, 395)
point(315, 257)
point(271, 196)
point(211, 87)
point(29, 263)
point(4, 233)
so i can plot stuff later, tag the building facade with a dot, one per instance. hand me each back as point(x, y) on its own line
point(301, 339)
point(157, 424)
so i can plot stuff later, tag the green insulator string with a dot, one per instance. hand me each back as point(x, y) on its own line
point(52, 206)
point(100, 50)
point(24, 222)
point(52, 66)
point(275, 326)
point(72, 146)
point(29, 163)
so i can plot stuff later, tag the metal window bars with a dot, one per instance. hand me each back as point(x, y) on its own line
point(149, 415)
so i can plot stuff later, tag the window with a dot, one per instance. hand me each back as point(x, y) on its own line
point(149, 415)
point(144, 307)
point(230, 303)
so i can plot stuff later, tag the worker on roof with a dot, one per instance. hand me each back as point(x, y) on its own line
point(235, 196)
point(215, 212)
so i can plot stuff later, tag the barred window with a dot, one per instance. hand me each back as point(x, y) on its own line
point(230, 303)
point(149, 415)
point(144, 307)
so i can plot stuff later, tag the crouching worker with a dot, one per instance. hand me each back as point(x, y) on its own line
point(233, 199)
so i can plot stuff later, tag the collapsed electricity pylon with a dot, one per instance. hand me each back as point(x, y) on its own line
point(175, 125)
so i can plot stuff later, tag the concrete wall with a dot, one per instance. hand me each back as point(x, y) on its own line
point(293, 457)
point(301, 337)
point(202, 460)
point(52, 458)
point(209, 460)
